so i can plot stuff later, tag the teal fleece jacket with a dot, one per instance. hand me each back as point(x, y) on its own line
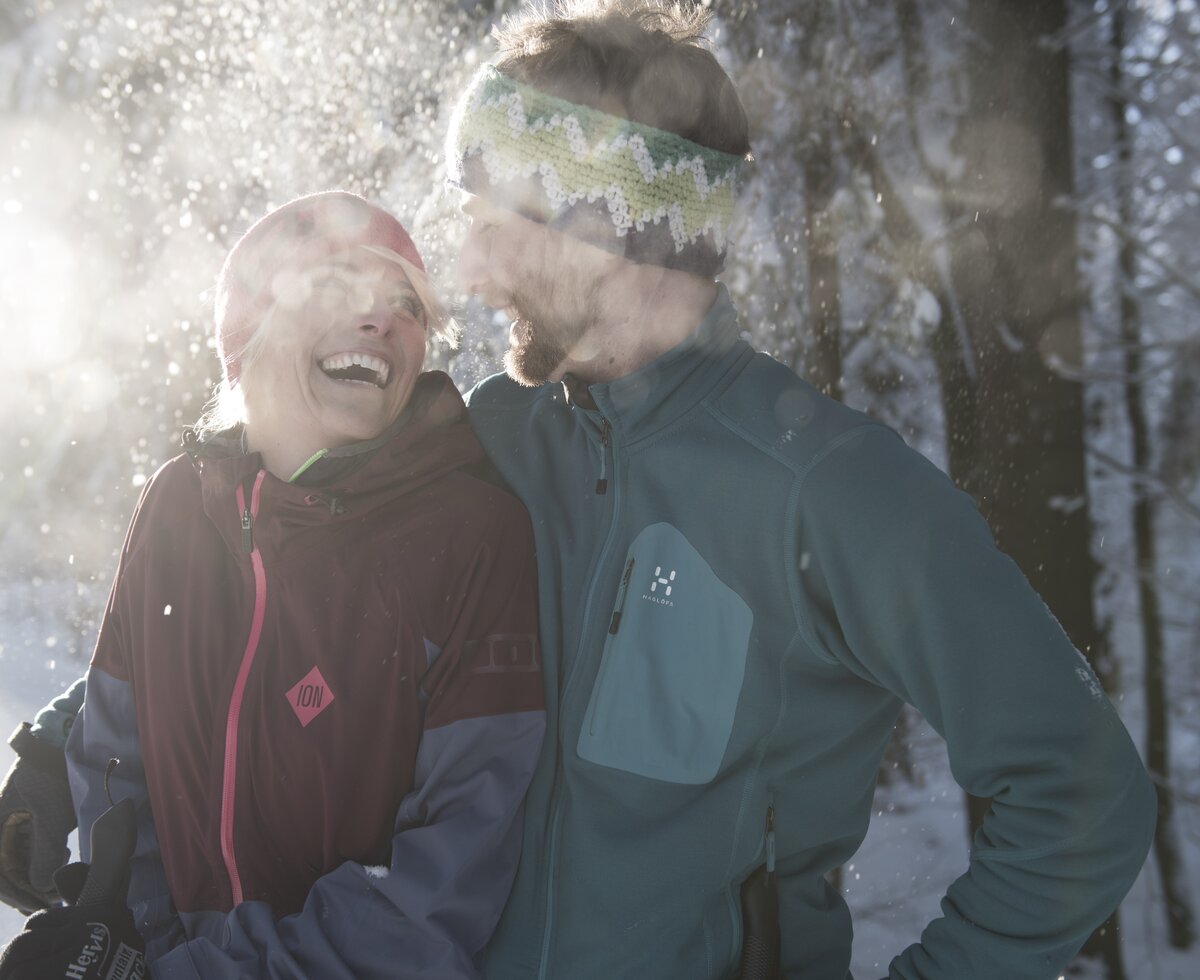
point(740, 582)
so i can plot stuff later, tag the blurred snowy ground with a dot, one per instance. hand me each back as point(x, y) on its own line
point(917, 845)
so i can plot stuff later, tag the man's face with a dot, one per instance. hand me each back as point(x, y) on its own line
point(342, 353)
point(546, 282)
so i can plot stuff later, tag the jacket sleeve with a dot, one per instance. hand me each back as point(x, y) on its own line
point(454, 852)
point(903, 585)
point(53, 723)
point(105, 728)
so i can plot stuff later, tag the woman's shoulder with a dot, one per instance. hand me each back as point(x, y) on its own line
point(478, 504)
point(171, 492)
point(176, 477)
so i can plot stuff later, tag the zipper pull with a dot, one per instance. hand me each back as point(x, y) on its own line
point(245, 502)
point(602, 483)
point(615, 624)
point(770, 839)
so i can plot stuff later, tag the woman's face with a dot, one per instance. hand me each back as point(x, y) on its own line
point(343, 347)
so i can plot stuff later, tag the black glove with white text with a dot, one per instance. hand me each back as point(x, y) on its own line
point(82, 942)
point(93, 938)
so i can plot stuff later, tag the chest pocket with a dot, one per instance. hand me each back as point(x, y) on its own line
point(667, 690)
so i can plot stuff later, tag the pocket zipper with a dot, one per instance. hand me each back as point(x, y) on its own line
point(771, 838)
point(615, 622)
point(606, 656)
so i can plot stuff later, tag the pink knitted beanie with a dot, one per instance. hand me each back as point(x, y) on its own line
point(291, 238)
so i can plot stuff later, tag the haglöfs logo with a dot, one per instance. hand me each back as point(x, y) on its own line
point(660, 587)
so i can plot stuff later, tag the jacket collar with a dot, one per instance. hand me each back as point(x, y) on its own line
point(639, 403)
point(431, 438)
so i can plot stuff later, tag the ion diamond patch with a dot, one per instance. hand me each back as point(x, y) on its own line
point(310, 697)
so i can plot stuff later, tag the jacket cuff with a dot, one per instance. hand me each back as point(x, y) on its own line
point(49, 758)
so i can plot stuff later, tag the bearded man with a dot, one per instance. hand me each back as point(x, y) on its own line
point(741, 580)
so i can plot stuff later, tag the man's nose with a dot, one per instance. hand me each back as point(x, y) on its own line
point(472, 266)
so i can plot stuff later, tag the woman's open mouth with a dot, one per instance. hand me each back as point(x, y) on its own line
point(358, 368)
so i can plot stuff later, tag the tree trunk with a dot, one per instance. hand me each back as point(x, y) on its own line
point(1167, 853)
point(824, 359)
point(953, 358)
point(1014, 267)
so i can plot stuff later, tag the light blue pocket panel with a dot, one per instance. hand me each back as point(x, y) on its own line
point(667, 690)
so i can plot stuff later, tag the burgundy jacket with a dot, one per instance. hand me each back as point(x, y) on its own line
point(337, 693)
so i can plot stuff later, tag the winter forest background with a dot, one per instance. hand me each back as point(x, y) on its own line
point(975, 219)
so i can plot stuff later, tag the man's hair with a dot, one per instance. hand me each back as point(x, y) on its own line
point(639, 59)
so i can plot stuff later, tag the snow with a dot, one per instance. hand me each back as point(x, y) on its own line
point(917, 845)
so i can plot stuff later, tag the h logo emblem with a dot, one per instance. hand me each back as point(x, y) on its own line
point(660, 579)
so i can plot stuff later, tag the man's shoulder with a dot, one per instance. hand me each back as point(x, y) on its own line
point(503, 414)
point(500, 393)
point(781, 413)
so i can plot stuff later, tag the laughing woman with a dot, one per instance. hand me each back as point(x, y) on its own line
point(318, 665)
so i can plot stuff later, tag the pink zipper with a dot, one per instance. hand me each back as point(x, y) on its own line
point(239, 687)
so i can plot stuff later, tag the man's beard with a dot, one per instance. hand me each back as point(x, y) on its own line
point(549, 329)
point(533, 358)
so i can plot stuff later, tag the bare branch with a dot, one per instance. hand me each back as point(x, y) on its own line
point(1148, 108)
point(1149, 480)
point(1097, 375)
point(1175, 275)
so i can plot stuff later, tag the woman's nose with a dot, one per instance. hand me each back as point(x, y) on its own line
point(377, 326)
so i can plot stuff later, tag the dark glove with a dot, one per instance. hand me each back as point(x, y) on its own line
point(94, 938)
point(36, 815)
point(760, 927)
point(83, 942)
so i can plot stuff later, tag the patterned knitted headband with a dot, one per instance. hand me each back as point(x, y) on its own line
point(644, 193)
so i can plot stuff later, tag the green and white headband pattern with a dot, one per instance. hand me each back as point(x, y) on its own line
point(641, 192)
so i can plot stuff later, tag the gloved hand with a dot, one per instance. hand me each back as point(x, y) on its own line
point(83, 942)
point(93, 938)
point(36, 815)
